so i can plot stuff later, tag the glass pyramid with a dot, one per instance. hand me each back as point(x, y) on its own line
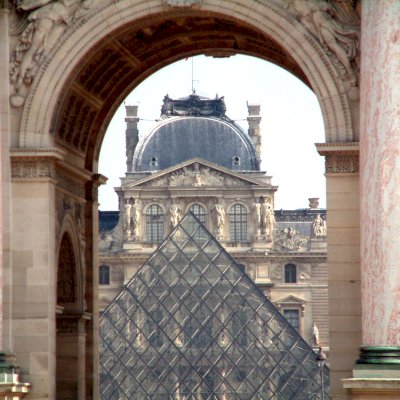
point(191, 325)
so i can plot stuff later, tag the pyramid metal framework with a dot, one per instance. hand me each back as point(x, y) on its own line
point(192, 325)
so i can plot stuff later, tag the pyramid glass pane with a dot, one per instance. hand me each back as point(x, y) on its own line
point(192, 325)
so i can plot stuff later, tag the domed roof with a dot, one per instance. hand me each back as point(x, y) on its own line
point(201, 132)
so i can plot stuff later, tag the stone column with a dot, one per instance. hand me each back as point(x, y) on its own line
point(379, 202)
point(380, 172)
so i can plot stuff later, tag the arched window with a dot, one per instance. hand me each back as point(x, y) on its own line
point(154, 224)
point(290, 273)
point(238, 223)
point(104, 275)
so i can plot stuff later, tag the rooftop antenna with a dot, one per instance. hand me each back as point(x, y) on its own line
point(193, 80)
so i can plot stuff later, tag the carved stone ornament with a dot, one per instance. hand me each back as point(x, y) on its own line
point(336, 26)
point(318, 227)
point(194, 176)
point(289, 240)
point(182, 3)
point(40, 28)
point(342, 164)
point(32, 169)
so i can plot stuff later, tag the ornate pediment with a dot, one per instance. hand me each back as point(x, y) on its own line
point(194, 174)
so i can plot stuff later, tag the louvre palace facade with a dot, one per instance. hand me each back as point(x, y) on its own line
point(212, 169)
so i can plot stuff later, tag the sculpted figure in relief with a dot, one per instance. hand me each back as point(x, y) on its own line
point(341, 39)
point(127, 218)
point(45, 24)
point(319, 227)
point(135, 218)
point(220, 217)
point(314, 336)
point(267, 218)
point(175, 214)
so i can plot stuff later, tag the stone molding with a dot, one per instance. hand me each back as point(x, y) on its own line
point(340, 158)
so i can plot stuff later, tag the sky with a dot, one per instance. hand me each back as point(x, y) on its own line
point(290, 126)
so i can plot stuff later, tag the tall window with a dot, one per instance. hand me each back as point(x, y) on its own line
point(292, 317)
point(104, 275)
point(290, 273)
point(154, 224)
point(200, 214)
point(238, 223)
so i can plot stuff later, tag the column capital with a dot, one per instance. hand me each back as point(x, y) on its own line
point(340, 158)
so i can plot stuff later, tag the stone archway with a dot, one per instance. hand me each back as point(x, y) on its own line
point(104, 52)
point(71, 320)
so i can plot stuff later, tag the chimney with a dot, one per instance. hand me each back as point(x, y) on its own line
point(131, 134)
point(254, 120)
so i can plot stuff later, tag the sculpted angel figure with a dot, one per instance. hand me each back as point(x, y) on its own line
point(46, 22)
point(341, 39)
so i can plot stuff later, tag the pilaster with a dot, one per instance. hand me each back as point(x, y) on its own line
point(342, 186)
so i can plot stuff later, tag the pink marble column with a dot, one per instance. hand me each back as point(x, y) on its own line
point(380, 172)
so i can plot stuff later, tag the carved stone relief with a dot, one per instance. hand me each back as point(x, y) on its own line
point(342, 163)
point(131, 219)
point(192, 176)
point(336, 26)
point(219, 217)
point(290, 240)
point(318, 227)
point(264, 219)
point(41, 26)
point(33, 169)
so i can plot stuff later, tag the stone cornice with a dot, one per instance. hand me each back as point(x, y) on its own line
point(326, 149)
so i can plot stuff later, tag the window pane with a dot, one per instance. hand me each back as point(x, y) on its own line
point(154, 224)
point(104, 275)
point(238, 223)
point(292, 317)
point(290, 273)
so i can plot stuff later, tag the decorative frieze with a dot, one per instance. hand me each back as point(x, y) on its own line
point(340, 158)
point(33, 169)
point(342, 164)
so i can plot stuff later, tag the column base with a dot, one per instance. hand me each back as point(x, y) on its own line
point(376, 374)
